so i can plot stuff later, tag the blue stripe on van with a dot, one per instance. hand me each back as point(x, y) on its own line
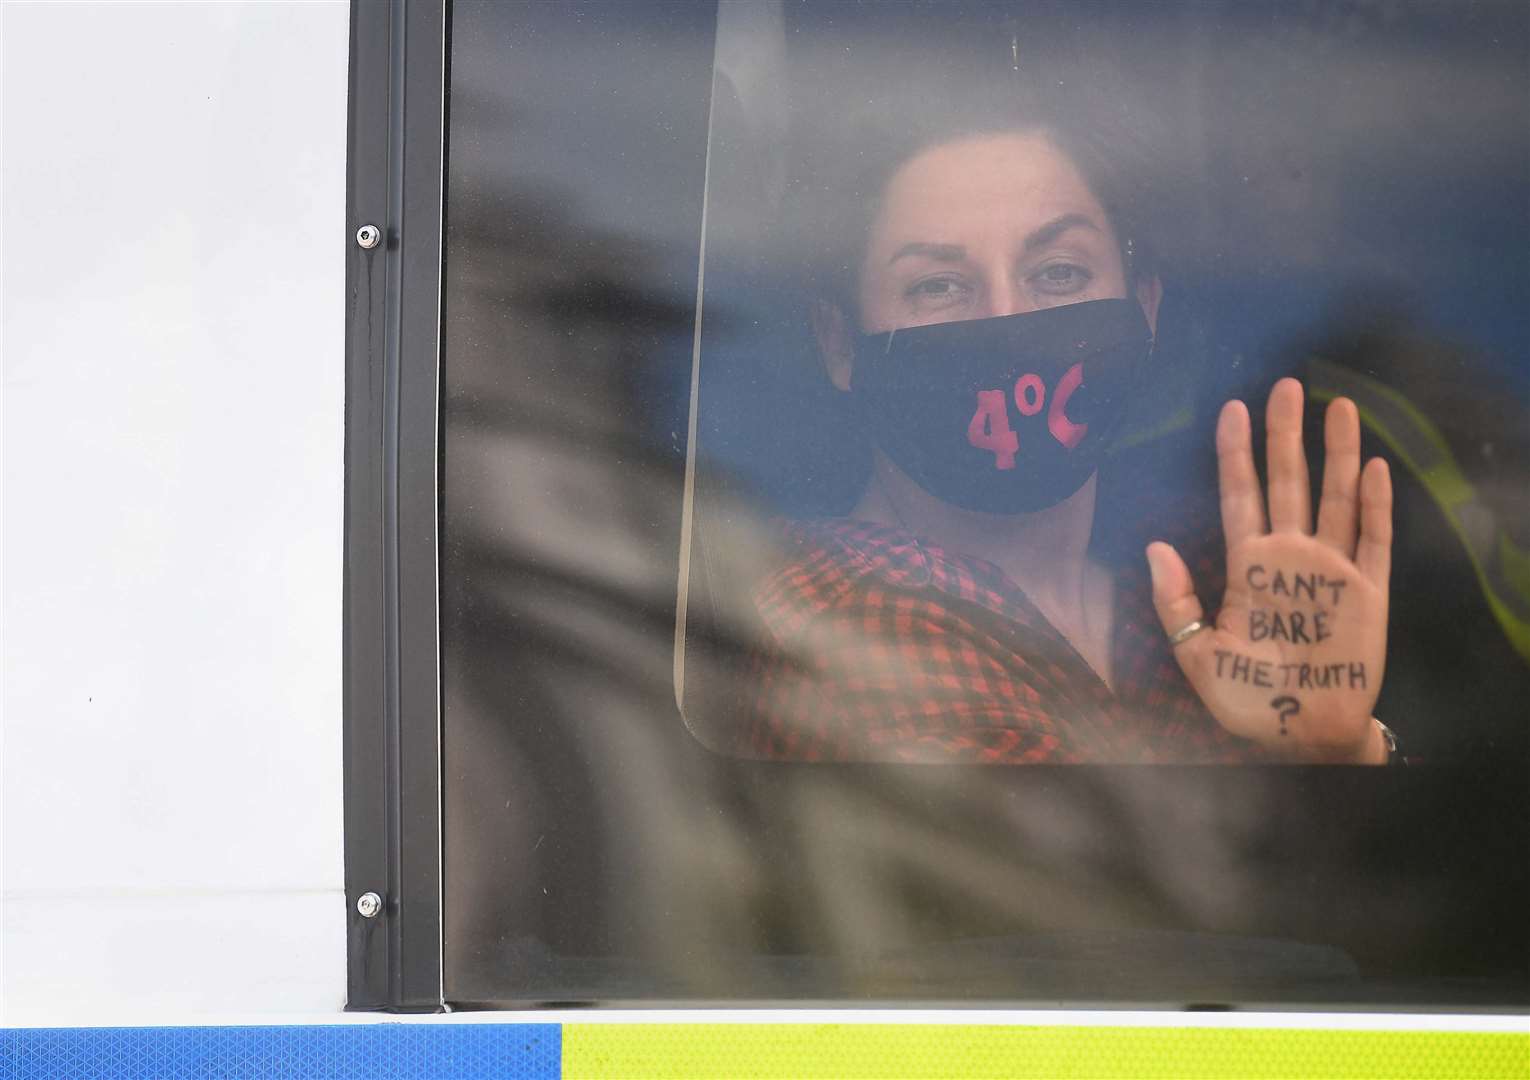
point(367, 1051)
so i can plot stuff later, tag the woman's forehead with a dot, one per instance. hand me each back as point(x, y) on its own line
point(986, 186)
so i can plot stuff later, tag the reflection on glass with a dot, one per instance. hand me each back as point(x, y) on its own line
point(977, 229)
point(1260, 197)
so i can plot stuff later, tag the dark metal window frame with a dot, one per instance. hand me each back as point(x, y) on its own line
point(392, 355)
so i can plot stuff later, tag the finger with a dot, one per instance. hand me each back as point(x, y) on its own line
point(1290, 493)
point(1373, 555)
point(1173, 592)
point(1339, 508)
point(1242, 507)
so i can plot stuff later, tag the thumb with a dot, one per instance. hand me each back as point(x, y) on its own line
point(1178, 607)
point(1173, 591)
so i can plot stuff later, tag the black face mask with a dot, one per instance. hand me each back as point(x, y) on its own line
point(1007, 415)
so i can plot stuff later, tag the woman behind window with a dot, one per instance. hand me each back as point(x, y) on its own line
point(986, 298)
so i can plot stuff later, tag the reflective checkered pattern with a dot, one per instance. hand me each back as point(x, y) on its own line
point(384, 1051)
point(875, 1051)
point(887, 648)
point(440, 1051)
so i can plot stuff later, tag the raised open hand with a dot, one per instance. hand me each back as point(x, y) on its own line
point(1296, 657)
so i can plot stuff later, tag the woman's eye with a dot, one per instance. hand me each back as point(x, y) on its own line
point(1059, 279)
point(937, 291)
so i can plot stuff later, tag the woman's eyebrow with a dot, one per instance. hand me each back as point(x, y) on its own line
point(939, 252)
point(1035, 239)
point(1056, 227)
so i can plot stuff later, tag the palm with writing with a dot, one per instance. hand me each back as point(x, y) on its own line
point(1295, 659)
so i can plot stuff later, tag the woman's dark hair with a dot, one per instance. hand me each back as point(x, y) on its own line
point(846, 156)
point(865, 88)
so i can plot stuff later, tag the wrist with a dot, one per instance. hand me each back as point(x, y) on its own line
point(1375, 747)
point(1378, 746)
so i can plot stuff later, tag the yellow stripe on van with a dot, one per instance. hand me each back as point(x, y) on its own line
point(851, 1051)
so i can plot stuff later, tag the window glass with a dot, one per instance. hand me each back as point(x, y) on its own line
point(927, 515)
point(816, 378)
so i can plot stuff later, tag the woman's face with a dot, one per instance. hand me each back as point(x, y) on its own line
point(986, 226)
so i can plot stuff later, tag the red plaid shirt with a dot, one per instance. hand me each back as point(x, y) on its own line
point(885, 648)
